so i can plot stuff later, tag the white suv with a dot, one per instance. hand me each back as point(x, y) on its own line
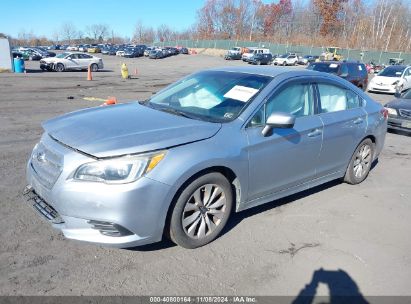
point(71, 61)
point(287, 59)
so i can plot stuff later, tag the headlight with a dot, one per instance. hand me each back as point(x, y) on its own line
point(119, 170)
point(392, 111)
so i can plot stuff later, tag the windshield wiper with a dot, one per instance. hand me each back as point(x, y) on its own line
point(176, 112)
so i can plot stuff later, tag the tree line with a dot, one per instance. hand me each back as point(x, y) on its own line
point(357, 24)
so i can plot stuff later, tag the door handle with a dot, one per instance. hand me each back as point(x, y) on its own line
point(315, 133)
point(358, 120)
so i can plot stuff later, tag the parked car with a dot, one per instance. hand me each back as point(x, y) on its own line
point(396, 61)
point(352, 71)
point(156, 54)
point(44, 52)
point(232, 56)
point(260, 134)
point(73, 48)
point(399, 112)
point(186, 52)
point(148, 50)
point(22, 55)
point(94, 48)
point(260, 59)
point(286, 59)
point(392, 79)
point(307, 59)
point(247, 56)
point(71, 61)
point(132, 52)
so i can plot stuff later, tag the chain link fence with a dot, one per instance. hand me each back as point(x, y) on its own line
point(379, 57)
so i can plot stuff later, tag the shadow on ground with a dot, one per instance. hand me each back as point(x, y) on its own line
point(342, 289)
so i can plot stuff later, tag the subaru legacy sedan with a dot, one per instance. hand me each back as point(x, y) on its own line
point(216, 142)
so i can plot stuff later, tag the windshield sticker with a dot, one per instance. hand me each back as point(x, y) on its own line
point(333, 65)
point(360, 68)
point(398, 73)
point(241, 93)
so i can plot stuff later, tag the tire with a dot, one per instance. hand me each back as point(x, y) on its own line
point(284, 63)
point(360, 163)
point(94, 67)
point(59, 67)
point(194, 221)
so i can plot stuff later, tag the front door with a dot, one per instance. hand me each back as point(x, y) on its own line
point(287, 157)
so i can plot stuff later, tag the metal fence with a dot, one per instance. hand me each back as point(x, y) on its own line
point(349, 54)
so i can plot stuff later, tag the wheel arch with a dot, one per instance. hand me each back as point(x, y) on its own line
point(225, 171)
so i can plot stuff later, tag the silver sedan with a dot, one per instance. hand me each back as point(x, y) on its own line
point(216, 142)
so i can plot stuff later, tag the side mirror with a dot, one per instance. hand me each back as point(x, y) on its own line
point(278, 120)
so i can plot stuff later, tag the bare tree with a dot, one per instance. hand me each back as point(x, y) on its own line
point(97, 32)
point(68, 31)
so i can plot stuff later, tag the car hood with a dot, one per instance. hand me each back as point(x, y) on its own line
point(126, 129)
point(400, 104)
point(385, 80)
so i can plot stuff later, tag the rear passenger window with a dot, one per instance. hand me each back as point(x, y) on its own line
point(335, 98)
point(353, 69)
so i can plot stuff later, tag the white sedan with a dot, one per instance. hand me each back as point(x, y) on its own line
point(71, 61)
point(392, 79)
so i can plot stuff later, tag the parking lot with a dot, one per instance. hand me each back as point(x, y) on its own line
point(358, 235)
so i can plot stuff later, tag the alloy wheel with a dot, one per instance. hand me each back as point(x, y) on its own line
point(362, 161)
point(204, 211)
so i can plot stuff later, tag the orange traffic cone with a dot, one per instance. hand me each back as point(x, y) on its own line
point(89, 76)
point(110, 101)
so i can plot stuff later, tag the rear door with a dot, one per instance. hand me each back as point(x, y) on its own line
point(345, 123)
point(287, 157)
point(85, 60)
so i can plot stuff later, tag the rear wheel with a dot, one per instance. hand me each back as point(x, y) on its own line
point(360, 163)
point(59, 67)
point(201, 211)
point(94, 67)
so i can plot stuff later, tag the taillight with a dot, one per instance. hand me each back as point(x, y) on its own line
point(384, 113)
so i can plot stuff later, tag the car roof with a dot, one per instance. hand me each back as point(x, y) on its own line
point(268, 71)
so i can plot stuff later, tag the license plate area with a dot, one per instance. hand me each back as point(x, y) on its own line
point(406, 124)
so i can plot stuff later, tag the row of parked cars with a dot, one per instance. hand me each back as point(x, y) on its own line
point(31, 53)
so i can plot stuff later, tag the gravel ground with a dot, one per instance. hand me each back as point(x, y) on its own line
point(356, 234)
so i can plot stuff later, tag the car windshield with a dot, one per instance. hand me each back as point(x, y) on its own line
point(215, 96)
point(393, 71)
point(62, 55)
point(331, 68)
point(407, 95)
point(283, 56)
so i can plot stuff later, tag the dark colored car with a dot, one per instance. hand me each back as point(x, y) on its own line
point(307, 59)
point(133, 52)
point(232, 56)
point(156, 54)
point(399, 112)
point(260, 59)
point(354, 72)
point(185, 51)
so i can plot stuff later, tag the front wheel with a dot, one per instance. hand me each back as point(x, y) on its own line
point(59, 67)
point(360, 163)
point(201, 211)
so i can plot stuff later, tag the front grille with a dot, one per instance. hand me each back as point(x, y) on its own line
point(47, 164)
point(405, 113)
